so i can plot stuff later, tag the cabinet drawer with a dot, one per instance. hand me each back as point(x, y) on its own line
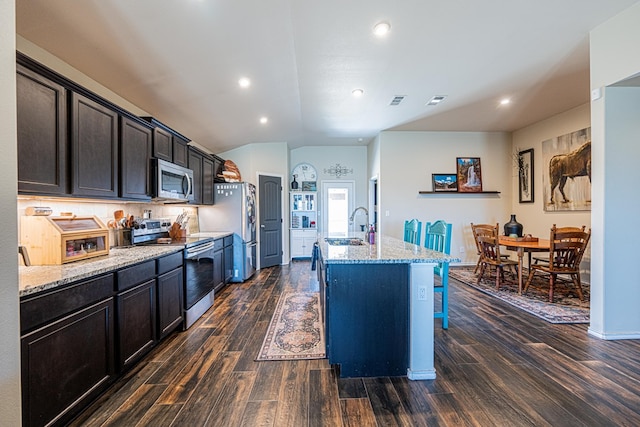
point(42, 308)
point(228, 241)
point(169, 262)
point(131, 276)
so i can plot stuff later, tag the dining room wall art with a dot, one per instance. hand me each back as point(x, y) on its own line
point(444, 182)
point(525, 176)
point(566, 172)
point(469, 174)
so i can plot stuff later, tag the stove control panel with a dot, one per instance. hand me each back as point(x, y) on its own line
point(150, 226)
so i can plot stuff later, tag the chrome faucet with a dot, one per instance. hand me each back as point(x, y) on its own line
point(353, 214)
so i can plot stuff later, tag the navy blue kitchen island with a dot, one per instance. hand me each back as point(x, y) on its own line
point(378, 307)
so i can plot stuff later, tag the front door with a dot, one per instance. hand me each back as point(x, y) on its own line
point(270, 205)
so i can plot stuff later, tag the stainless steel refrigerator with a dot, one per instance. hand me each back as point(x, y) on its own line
point(234, 209)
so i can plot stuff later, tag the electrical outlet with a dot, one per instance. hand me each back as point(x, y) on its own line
point(386, 213)
point(461, 249)
point(422, 293)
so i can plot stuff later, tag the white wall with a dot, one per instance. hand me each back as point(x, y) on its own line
point(10, 414)
point(323, 158)
point(532, 215)
point(409, 158)
point(614, 133)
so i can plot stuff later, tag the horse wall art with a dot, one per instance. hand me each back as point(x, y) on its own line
point(567, 175)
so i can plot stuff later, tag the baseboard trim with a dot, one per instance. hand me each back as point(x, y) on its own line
point(611, 337)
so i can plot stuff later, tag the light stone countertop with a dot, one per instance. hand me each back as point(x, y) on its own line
point(386, 250)
point(39, 278)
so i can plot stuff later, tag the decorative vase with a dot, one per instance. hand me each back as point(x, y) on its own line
point(294, 183)
point(513, 228)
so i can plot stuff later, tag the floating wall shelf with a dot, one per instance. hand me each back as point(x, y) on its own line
point(458, 192)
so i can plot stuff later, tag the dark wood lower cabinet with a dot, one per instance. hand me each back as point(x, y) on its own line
point(218, 266)
point(170, 286)
point(66, 364)
point(77, 339)
point(136, 322)
point(228, 258)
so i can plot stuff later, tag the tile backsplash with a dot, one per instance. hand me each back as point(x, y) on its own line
point(104, 209)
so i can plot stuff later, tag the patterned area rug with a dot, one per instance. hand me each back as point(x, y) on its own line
point(566, 308)
point(296, 331)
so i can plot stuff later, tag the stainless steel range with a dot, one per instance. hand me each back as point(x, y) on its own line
point(198, 254)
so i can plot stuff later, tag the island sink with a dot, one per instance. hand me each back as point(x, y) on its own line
point(343, 241)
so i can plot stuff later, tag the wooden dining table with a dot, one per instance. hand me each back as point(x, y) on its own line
point(522, 246)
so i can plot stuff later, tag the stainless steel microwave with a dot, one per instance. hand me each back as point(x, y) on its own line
point(172, 182)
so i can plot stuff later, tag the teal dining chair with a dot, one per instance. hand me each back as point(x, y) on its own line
point(438, 238)
point(412, 230)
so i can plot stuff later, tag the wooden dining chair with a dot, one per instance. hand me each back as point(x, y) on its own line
point(566, 249)
point(488, 242)
point(412, 229)
point(475, 239)
point(437, 237)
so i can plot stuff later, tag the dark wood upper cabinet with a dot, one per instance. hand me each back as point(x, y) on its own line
point(94, 148)
point(168, 144)
point(180, 151)
point(218, 167)
point(207, 180)
point(135, 159)
point(195, 164)
point(162, 145)
point(42, 134)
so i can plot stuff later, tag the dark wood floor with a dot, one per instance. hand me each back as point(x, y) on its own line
point(496, 366)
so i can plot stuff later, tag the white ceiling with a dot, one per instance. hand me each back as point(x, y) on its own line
point(180, 61)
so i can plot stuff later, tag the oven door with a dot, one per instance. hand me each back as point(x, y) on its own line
point(198, 266)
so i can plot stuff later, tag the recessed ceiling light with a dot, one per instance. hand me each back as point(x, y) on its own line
point(244, 82)
point(505, 101)
point(436, 100)
point(264, 120)
point(381, 28)
point(357, 92)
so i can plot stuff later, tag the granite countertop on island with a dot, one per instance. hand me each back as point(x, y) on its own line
point(386, 250)
point(39, 278)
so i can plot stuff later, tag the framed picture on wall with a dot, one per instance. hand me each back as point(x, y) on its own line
point(469, 174)
point(525, 176)
point(444, 182)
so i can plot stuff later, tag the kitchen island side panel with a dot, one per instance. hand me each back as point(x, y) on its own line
point(368, 318)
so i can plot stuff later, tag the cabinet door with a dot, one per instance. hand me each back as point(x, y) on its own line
point(218, 267)
point(218, 167)
point(170, 286)
point(42, 134)
point(195, 164)
point(94, 148)
point(136, 310)
point(162, 145)
point(135, 164)
point(207, 180)
point(301, 245)
point(228, 263)
point(66, 364)
point(180, 152)
point(297, 247)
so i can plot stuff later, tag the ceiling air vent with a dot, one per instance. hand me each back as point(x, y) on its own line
point(397, 100)
point(436, 100)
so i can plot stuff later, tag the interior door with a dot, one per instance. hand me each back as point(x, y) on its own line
point(270, 207)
